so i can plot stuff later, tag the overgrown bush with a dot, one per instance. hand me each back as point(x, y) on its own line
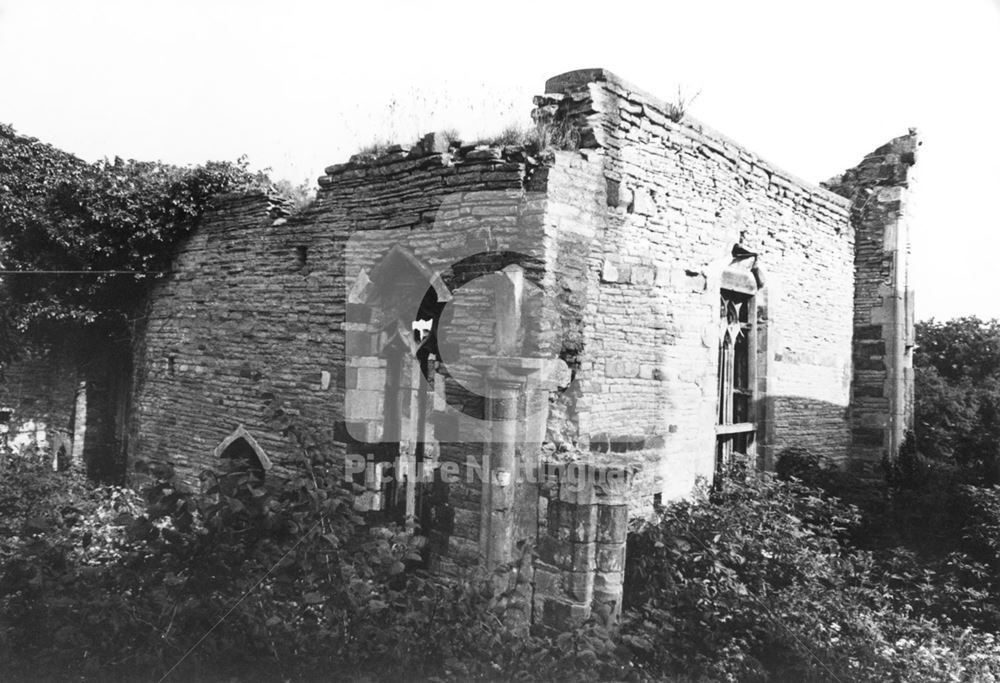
point(763, 580)
point(957, 390)
point(257, 580)
point(760, 583)
point(799, 463)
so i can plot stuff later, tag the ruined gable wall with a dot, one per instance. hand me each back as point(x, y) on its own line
point(678, 197)
point(238, 324)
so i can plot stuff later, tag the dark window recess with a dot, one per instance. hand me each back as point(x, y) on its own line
point(736, 428)
point(171, 365)
point(301, 255)
point(241, 450)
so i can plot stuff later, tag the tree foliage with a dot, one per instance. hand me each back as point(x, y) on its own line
point(59, 213)
point(957, 377)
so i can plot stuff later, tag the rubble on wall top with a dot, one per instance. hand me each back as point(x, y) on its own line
point(433, 148)
point(573, 96)
point(887, 165)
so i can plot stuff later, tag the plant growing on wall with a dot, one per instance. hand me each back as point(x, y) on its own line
point(79, 242)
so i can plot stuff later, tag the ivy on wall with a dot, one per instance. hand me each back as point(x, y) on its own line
point(62, 218)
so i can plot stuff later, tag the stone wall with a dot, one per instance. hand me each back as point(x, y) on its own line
point(264, 309)
point(70, 399)
point(882, 386)
point(238, 323)
point(674, 199)
point(581, 545)
point(40, 389)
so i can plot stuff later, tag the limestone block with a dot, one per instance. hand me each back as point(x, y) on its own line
point(609, 272)
point(611, 557)
point(662, 277)
point(584, 556)
point(612, 523)
point(370, 379)
point(642, 203)
point(548, 581)
point(359, 405)
point(555, 552)
point(579, 586)
point(642, 275)
point(560, 520)
point(584, 529)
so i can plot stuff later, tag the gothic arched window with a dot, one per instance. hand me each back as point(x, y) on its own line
point(736, 427)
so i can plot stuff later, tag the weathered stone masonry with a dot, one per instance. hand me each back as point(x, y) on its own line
point(638, 303)
point(70, 399)
point(882, 386)
point(678, 198)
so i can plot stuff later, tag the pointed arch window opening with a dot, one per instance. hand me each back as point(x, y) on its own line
point(406, 300)
point(737, 419)
point(240, 445)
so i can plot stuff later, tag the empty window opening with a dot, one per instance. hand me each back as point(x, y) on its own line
point(240, 451)
point(241, 446)
point(301, 255)
point(422, 329)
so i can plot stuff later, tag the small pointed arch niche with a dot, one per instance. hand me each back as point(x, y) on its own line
point(241, 445)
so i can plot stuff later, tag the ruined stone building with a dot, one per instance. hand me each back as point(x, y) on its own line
point(643, 298)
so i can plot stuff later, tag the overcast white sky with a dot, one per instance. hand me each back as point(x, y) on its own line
point(810, 86)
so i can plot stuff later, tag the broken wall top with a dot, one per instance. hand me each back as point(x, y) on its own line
point(579, 85)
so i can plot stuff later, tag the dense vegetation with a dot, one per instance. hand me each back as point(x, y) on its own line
point(59, 213)
point(957, 365)
point(766, 580)
point(271, 581)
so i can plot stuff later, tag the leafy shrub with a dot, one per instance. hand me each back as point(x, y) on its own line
point(255, 579)
point(982, 521)
point(797, 462)
point(760, 583)
point(957, 392)
point(910, 469)
point(281, 579)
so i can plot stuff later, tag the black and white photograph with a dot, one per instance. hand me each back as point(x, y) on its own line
point(513, 341)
